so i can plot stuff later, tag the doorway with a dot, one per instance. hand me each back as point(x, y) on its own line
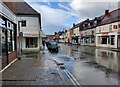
point(4, 50)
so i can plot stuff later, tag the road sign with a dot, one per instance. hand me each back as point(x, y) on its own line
point(21, 34)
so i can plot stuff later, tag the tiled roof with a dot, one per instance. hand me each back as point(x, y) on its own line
point(20, 8)
point(112, 16)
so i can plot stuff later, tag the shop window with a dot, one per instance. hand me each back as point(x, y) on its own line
point(112, 40)
point(0, 44)
point(104, 40)
point(23, 23)
point(3, 43)
point(31, 42)
point(9, 25)
point(10, 41)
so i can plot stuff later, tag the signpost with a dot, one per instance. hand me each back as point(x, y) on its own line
point(20, 40)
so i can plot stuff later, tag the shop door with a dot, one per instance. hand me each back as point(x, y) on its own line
point(4, 47)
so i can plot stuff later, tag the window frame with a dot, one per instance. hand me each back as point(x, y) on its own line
point(23, 23)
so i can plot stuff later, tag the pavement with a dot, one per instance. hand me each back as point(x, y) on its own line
point(34, 70)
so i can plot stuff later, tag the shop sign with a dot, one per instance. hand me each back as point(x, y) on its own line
point(30, 35)
point(2, 23)
point(21, 34)
point(105, 34)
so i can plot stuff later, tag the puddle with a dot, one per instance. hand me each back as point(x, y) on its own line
point(66, 58)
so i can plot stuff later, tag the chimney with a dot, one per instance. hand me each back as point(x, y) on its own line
point(73, 24)
point(106, 12)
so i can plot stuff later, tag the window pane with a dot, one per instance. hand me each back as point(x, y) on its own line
point(0, 43)
point(112, 40)
point(10, 41)
point(104, 40)
point(31, 42)
point(13, 42)
point(4, 49)
point(23, 23)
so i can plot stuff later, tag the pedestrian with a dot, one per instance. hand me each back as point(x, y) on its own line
point(108, 71)
point(43, 43)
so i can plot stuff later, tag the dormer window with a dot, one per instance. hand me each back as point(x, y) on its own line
point(95, 21)
point(89, 24)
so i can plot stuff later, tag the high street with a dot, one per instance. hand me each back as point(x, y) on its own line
point(72, 66)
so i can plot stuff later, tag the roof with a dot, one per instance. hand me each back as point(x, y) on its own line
point(112, 16)
point(21, 8)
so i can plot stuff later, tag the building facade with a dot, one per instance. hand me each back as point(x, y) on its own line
point(29, 26)
point(107, 33)
point(8, 35)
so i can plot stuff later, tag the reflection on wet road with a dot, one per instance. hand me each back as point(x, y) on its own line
point(90, 65)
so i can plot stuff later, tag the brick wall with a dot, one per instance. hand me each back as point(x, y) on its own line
point(12, 56)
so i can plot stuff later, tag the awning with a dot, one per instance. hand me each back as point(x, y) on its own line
point(42, 34)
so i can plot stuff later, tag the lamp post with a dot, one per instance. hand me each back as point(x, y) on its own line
point(20, 34)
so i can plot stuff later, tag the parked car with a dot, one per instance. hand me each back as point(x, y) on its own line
point(52, 46)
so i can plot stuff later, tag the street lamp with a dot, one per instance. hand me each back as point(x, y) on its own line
point(20, 35)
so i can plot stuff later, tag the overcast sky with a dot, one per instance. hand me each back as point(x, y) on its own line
point(59, 15)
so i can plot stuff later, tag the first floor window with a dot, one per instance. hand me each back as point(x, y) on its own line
point(23, 23)
point(31, 42)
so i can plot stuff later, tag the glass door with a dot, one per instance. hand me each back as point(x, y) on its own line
point(4, 47)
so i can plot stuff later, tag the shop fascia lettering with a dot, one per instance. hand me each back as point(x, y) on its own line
point(2, 23)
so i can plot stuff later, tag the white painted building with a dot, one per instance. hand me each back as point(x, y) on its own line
point(29, 26)
point(108, 33)
point(31, 33)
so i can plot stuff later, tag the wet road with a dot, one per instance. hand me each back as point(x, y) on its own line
point(72, 65)
point(90, 65)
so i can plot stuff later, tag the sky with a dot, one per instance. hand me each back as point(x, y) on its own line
point(58, 15)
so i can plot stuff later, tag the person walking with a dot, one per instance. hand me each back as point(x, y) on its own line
point(43, 43)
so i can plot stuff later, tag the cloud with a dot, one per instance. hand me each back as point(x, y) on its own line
point(91, 9)
point(55, 19)
point(64, 7)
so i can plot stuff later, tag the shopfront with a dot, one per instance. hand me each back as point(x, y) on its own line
point(7, 42)
point(107, 40)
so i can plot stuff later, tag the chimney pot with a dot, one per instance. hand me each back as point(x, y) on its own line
point(106, 12)
point(73, 24)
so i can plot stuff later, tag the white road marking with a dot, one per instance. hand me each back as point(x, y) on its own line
point(72, 78)
point(8, 66)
